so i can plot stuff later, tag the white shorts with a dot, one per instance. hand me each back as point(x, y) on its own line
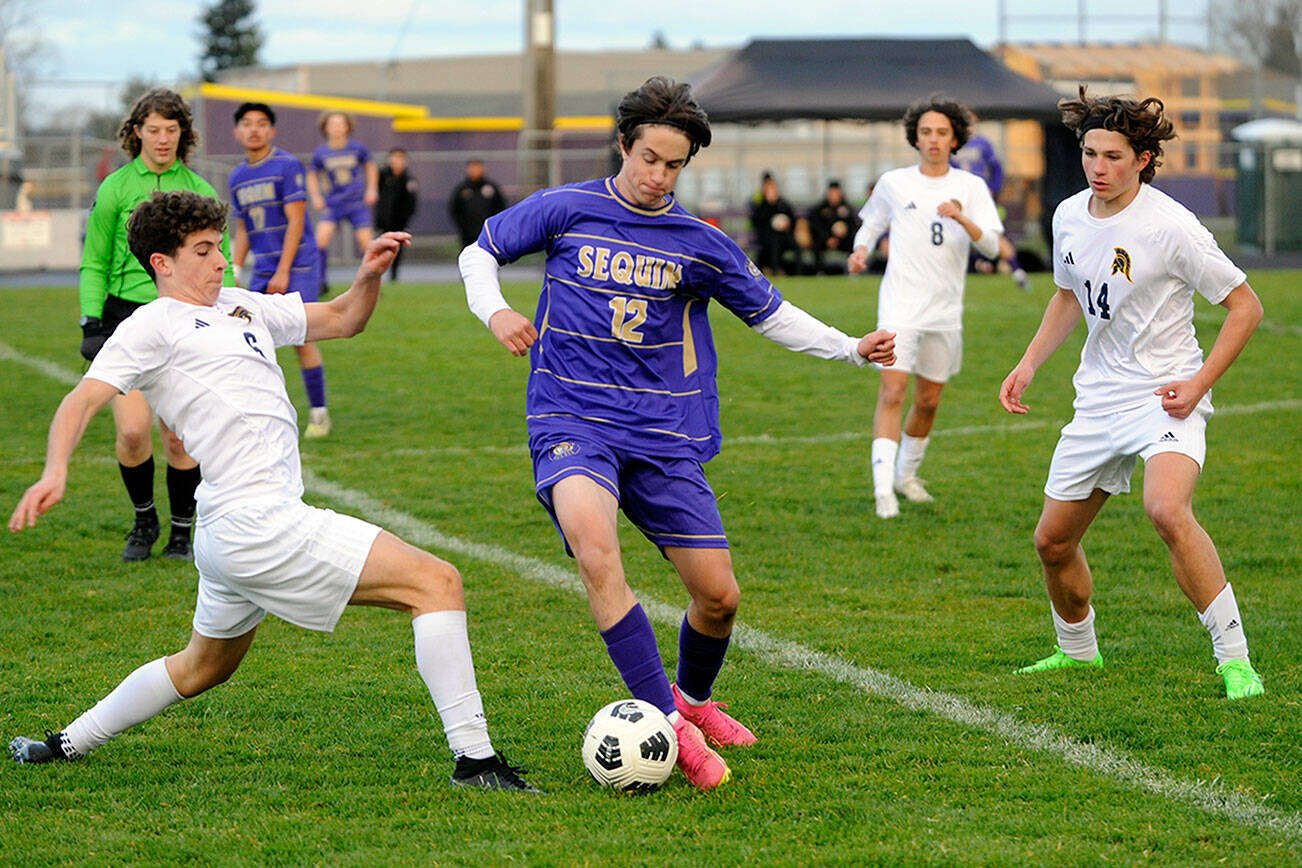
point(932, 355)
point(1101, 451)
point(298, 562)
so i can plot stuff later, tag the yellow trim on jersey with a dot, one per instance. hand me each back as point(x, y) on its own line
point(611, 422)
point(614, 340)
point(278, 98)
point(600, 289)
point(639, 246)
point(614, 194)
point(689, 341)
point(615, 385)
point(489, 234)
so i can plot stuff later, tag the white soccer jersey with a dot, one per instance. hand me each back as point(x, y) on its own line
point(211, 374)
point(923, 286)
point(1134, 274)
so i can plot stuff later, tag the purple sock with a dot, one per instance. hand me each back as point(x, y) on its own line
point(314, 382)
point(631, 644)
point(700, 658)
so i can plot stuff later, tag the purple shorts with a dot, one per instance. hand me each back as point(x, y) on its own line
point(306, 281)
point(355, 211)
point(667, 499)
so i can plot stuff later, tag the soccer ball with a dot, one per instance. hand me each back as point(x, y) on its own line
point(630, 745)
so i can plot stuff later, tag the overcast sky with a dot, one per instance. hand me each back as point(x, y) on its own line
point(112, 40)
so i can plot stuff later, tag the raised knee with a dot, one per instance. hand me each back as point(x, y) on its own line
point(721, 605)
point(1053, 548)
point(1170, 519)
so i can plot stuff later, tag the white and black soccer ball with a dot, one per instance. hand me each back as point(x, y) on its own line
point(630, 745)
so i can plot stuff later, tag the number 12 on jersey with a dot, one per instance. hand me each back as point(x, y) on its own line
point(1104, 312)
point(629, 314)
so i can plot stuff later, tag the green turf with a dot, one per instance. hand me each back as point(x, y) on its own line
point(325, 749)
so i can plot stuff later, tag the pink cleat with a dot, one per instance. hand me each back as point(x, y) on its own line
point(703, 767)
point(719, 728)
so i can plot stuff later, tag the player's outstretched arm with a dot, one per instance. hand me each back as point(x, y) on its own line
point(1179, 398)
point(1060, 318)
point(512, 329)
point(800, 332)
point(347, 314)
point(75, 411)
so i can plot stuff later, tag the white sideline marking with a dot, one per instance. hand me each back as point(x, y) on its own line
point(1213, 797)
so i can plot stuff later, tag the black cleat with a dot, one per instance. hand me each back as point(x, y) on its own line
point(29, 750)
point(141, 539)
point(179, 547)
point(491, 773)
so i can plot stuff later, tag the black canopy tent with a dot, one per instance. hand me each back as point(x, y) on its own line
point(770, 80)
point(864, 79)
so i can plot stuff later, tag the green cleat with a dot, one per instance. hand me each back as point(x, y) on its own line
point(1241, 680)
point(1059, 660)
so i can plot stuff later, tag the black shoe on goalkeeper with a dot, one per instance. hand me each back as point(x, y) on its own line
point(29, 750)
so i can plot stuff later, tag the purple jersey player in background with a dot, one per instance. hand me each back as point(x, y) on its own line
point(343, 185)
point(622, 404)
point(269, 200)
point(978, 157)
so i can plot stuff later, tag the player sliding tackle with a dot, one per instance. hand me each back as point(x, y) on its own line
point(622, 404)
point(204, 356)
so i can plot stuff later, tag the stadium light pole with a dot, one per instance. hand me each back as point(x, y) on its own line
point(539, 91)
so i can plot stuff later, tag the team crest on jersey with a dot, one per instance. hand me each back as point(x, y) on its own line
point(242, 313)
point(564, 450)
point(1121, 262)
point(754, 271)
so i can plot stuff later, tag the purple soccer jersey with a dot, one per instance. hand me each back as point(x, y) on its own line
point(625, 354)
point(259, 193)
point(342, 172)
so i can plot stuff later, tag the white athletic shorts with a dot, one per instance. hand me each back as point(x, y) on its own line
point(298, 562)
point(932, 355)
point(1100, 451)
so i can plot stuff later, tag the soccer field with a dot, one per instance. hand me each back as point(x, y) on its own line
point(873, 659)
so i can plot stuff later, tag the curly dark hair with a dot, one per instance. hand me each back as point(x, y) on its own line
point(960, 119)
point(662, 100)
point(170, 105)
point(162, 222)
point(1142, 122)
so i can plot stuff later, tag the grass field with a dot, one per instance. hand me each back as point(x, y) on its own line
point(874, 662)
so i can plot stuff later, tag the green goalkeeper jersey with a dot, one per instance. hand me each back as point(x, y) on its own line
point(107, 266)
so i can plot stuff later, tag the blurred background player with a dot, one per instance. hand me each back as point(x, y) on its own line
point(398, 195)
point(832, 227)
point(978, 157)
point(158, 134)
point(1129, 258)
point(474, 200)
point(622, 402)
point(935, 214)
point(259, 548)
point(774, 222)
point(269, 202)
point(341, 184)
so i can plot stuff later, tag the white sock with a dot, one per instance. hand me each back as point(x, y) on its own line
point(1077, 640)
point(1223, 621)
point(911, 451)
point(141, 695)
point(444, 662)
point(884, 452)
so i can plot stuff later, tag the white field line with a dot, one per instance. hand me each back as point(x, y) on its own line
point(1213, 797)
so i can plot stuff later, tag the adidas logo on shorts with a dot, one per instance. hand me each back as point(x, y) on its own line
point(1168, 437)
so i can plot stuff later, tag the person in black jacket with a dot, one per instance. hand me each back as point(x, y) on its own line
point(832, 225)
point(397, 199)
point(473, 202)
